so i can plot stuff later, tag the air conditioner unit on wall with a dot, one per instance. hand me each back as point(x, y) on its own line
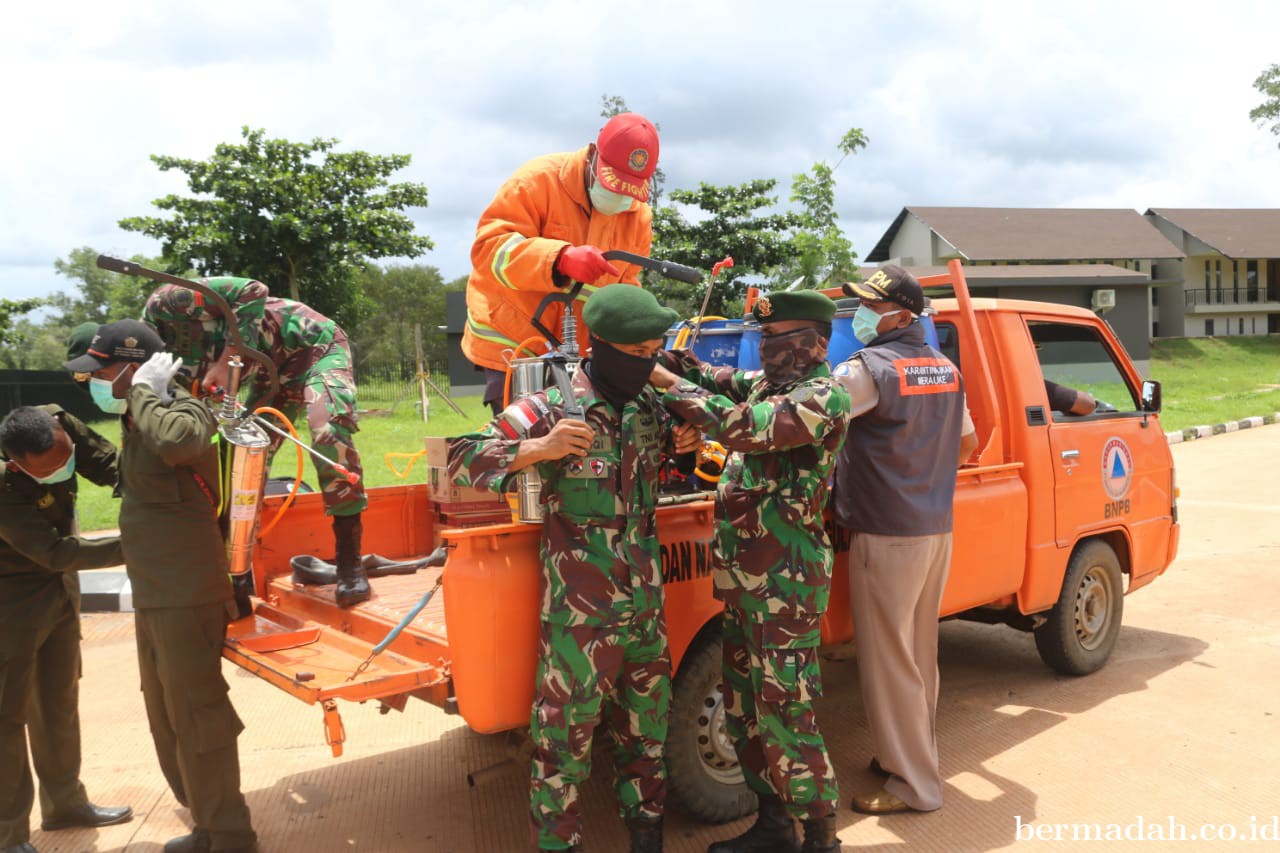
point(1103, 301)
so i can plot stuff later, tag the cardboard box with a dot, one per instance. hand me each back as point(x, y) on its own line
point(475, 519)
point(452, 499)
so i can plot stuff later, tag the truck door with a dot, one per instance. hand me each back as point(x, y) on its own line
point(1109, 464)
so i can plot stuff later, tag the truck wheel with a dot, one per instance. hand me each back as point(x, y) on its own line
point(1082, 627)
point(702, 768)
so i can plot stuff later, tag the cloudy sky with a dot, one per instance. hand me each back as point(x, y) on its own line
point(1035, 104)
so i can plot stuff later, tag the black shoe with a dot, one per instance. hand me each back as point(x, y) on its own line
point(646, 834)
point(773, 832)
point(88, 815)
point(353, 583)
point(820, 835)
point(198, 841)
point(24, 847)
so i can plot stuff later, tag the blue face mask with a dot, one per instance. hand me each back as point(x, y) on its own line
point(66, 472)
point(100, 391)
point(866, 323)
point(608, 203)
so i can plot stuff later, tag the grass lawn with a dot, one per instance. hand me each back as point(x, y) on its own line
point(1204, 381)
point(1213, 380)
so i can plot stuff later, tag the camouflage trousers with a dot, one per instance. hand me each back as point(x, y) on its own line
point(618, 674)
point(325, 389)
point(771, 677)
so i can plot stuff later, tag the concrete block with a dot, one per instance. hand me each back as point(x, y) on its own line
point(105, 591)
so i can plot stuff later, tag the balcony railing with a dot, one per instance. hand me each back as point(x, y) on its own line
point(1228, 296)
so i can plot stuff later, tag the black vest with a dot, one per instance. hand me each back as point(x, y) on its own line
point(897, 471)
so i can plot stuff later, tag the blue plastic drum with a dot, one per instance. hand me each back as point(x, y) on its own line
point(749, 351)
point(719, 341)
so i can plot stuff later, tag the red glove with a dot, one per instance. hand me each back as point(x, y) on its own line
point(584, 263)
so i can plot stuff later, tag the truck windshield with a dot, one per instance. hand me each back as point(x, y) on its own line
point(1077, 357)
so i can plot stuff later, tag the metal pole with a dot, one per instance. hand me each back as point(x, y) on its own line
point(422, 385)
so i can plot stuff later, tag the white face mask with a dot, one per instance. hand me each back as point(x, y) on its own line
point(100, 390)
point(608, 203)
point(866, 323)
point(65, 471)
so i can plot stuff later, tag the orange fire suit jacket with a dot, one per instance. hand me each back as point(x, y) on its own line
point(539, 211)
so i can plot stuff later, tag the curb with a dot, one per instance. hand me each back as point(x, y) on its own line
point(105, 591)
point(1198, 432)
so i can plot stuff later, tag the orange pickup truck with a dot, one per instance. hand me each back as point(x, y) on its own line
point(1057, 517)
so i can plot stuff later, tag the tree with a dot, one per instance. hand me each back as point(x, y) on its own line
point(1268, 83)
point(12, 326)
point(301, 217)
point(610, 106)
point(401, 296)
point(732, 222)
point(823, 255)
point(101, 296)
point(35, 346)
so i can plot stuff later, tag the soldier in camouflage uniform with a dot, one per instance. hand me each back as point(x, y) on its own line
point(603, 649)
point(313, 358)
point(783, 427)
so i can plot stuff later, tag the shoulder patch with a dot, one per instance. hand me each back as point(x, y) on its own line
point(44, 501)
point(517, 419)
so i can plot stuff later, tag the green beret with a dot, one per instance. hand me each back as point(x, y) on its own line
point(79, 339)
point(794, 305)
point(626, 314)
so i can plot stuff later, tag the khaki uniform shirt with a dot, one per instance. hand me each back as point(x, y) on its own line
point(39, 540)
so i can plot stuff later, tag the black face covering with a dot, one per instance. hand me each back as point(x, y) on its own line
point(618, 376)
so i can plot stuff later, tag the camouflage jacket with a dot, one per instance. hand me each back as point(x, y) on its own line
point(600, 537)
point(773, 553)
point(291, 334)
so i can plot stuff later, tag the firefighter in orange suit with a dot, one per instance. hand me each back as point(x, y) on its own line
point(549, 226)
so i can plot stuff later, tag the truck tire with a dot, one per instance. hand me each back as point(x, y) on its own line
point(702, 768)
point(1081, 629)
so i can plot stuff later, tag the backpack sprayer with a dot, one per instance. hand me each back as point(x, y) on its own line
point(245, 433)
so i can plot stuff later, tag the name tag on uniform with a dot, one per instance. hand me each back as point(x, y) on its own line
point(926, 376)
point(647, 430)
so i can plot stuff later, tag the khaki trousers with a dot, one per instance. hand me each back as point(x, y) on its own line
point(895, 590)
point(39, 699)
point(193, 723)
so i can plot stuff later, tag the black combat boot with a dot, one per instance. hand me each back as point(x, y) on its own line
point(353, 584)
point(646, 834)
point(199, 841)
point(773, 832)
point(820, 835)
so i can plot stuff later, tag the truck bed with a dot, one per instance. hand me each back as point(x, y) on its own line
point(393, 597)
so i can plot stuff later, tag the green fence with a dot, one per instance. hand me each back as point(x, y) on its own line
point(391, 387)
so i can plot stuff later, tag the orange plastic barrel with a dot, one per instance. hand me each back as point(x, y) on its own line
point(491, 606)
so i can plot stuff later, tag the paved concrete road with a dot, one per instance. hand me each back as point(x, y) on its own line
point(1182, 724)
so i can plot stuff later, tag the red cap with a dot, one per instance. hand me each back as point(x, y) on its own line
point(627, 155)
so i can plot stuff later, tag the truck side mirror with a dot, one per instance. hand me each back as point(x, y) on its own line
point(1151, 396)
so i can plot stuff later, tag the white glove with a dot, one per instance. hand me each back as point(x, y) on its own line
point(158, 372)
